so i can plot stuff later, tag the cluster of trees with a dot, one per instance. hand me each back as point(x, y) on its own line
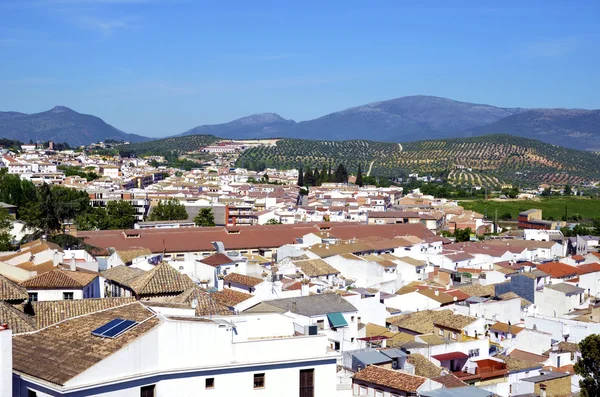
point(460, 235)
point(169, 210)
point(581, 230)
point(76, 171)
point(317, 178)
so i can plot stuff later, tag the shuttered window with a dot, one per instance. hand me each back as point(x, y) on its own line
point(307, 383)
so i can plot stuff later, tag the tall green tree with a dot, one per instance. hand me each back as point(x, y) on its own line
point(309, 179)
point(588, 367)
point(359, 177)
point(93, 219)
point(341, 174)
point(6, 237)
point(567, 191)
point(300, 177)
point(121, 214)
point(323, 174)
point(205, 218)
point(169, 210)
point(463, 234)
point(317, 177)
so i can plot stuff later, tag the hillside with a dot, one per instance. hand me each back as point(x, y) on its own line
point(574, 128)
point(180, 144)
point(264, 125)
point(60, 124)
point(491, 159)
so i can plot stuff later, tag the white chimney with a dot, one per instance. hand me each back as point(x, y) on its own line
point(5, 361)
point(303, 289)
point(437, 292)
point(55, 258)
point(72, 264)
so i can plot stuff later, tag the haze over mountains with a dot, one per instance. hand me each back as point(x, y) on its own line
point(397, 120)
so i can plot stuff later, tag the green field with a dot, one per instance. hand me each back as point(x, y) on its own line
point(587, 208)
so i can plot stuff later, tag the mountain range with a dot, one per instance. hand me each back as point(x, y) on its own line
point(397, 120)
point(61, 124)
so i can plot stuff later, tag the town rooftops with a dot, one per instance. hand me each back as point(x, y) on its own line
point(420, 322)
point(546, 377)
point(130, 254)
point(504, 327)
point(558, 270)
point(588, 268)
point(316, 267)
point(312, 305)
point(11, 291)
point(229, 297)
point(465, 391)
point(60, 279)
point(162, 279)
point(423, 366)
point(72, 348)
point(270, 236)
point(242, 279)
point(566, 289)
point(217, 259)
point(122, 275)
point(389, 378)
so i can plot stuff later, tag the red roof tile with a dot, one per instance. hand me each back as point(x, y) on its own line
point(558, 269)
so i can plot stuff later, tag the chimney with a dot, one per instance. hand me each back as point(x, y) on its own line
point(5, 361)
point(542, 390)
point(508, 328)
point(55, 258)
point(304, 288)
point(73, 263)
point(437, 292)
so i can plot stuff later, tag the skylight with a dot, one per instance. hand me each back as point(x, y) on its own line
point(114, 328)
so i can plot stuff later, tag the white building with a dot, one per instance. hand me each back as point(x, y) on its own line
point(172, 356)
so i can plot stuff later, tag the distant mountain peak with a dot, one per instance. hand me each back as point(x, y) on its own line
point(61, 109)
point(260, 118)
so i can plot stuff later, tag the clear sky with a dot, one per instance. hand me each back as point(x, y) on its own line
point(161, 67)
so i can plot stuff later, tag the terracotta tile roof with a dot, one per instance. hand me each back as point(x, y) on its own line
point(11, 291)
point(419, 322)
point(122, 274)
point(588, 268)
point(60, 279)
point(424, 367)
point(477, 289)
point(16, 320)
point(217, 260)
point(515, 364)
point(503, 327)
point(449, 381)
point(72, 347)
point(395, 339)
point(440, 297)
point(229, 297)
point(523, 355)
point(40, 268)
point(558, 269)
point(455, 321)
point(130, 254)
point(50, 312)
point(270, 236)
point(389, 378)
point(163, 279)
point(562, 347)
point(242, 279)
point(316, 267)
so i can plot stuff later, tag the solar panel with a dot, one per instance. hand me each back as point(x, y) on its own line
point(113, 328)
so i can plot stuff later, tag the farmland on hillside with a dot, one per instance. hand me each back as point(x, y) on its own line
point(490, 158)
point(587, 208)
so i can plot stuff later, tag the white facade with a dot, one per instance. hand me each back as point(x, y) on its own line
point(493, 311)
point(178, 357)
point(550, 302)
point(5, 361)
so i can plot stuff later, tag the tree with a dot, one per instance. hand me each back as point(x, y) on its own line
point(567, 191)
point(341, 175)
point(300, 177)
point(317, 177)
point(273, 221)
point(463, 234)
point(169, 210)
point(309, 179)
point(93, 219)
point(5, 230)
point(323, 174)
point(359, 178)
point(205, 218)
point(506, 216)
point(588, 367)
point(120, 214)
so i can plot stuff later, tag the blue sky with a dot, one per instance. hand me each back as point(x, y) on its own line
point(161, 67)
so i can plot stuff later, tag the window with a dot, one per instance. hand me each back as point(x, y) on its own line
point(378, 393)
point(351, 340)
point(321, 324)
point(454, 336)
point(352, 318)
point(33, 296)
point(31, 393)
point(307, 382)
point(209, 383)
point(474, 353)
point(440, 332)
point(259, 381)
point(147, 391)
point(68, 296)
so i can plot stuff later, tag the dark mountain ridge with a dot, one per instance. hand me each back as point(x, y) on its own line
point(60, 124)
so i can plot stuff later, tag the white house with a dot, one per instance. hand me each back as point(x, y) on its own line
point(158, 355)
point(60, 284)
